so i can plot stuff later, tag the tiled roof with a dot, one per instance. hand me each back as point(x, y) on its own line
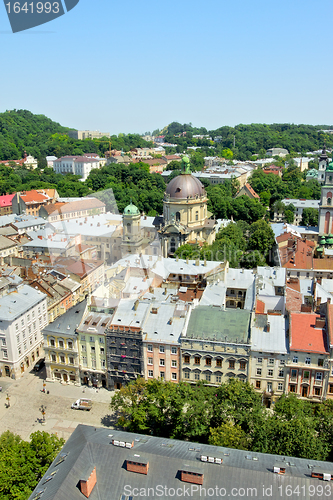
point(304, 336)
point(297, 253)
point(323, 263)
point(251, 190)
point(6, 200)
point(33, 196)
point(293, 300)
point(85, 204)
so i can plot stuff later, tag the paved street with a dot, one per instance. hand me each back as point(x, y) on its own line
point(26, 397)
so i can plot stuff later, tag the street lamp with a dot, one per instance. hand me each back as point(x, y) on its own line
point(42, 409)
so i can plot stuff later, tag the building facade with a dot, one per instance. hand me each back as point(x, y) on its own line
point(23, 315)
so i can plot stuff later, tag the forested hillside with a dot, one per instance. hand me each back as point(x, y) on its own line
point(253, 139)
point(39, 136)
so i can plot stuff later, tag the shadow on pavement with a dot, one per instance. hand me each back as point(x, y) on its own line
point(109, 421)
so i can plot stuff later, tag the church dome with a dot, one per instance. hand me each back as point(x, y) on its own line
point(330, 167)
point(184, 186)
point(131, 210)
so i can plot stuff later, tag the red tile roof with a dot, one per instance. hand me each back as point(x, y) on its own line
point(33, 196)
point(324, 263)
point(6, 200)
point(293, 300)
point(251, 190)
point(297, 254)
point(260, 307)
point(329, 317)
point(304, 336)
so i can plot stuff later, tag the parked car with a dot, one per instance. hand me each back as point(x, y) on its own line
point(82, 404)
point(39, 365)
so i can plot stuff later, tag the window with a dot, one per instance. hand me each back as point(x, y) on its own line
point(16, 326)
point(174, 363)
point(70, 344)
point(319, 376)
point(53, 358)
point(317, 391)
point(196, 360)
point(280, 386)
point(306, 375)
point(269, 386)
point(258, 384)
point(259, 361)
point(61, 343)
point(271, 361)
point(219, 363)
point(71, 360)
point(83, 337)
point(93, 362)
point(102, 350)
point(92, 348)
point(186, 359)
point(5, 353)
point(173, 376)
point(83, 347)
point(19, 350)
point(293, 373)
point(308, 361)
point(103, 363)
point(3, 341)
point(292, 388)
point(320, 362)
point(196, 376)
point(331, 389)
point(270, 373)
point(208, 361)
point(52, 342)
point(173, 350)
point(22, 322)
point(162, 348)
point(162, 375)
point(84, 361)
point(281, 373)
point(282, 362)
point(186, 374)
point(258, 371)
point(62, 359)
point(208, 377)
point(242, 365)
point(162, 362)
point(218, 379)
point(150, 361)
point(28, 317)
point(91, 339)
point(231, 364)
point(149, 348)
point(33, 314)
point(295, 359)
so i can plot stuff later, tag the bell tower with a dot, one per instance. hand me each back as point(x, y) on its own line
point(132, 238)
point(326, 202)
point(323, 162)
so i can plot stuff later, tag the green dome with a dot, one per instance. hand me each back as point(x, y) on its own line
point(319, 249)
point(131, 210)
point(329, 241)
point(330, 235)
point(330, 167)
point(322, 240)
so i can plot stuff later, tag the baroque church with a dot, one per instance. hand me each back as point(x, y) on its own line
point(185, 218)
point(185, 215)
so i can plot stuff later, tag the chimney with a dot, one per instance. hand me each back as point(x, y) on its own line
point(268, 327)
point(87, 485)
point(137, 464)
point(192, 475)
point(197, 262)
point(320, 323)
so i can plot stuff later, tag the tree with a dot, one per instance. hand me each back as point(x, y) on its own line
point(229, 435)
point(262, 237)
point(310, 217)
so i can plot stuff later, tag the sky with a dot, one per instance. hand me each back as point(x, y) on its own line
point(131, 66)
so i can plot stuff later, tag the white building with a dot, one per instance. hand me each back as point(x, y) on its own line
point(299, 207)
point(23, 315)
point(78, 165)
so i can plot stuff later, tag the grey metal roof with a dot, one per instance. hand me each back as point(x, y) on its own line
point(68, 322)
point(90, 447)
point(18, 302)
point(273, 341)
point(167, 324)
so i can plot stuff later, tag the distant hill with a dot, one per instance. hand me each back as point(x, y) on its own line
point(21, 130)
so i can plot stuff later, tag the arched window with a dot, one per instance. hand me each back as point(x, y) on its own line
point(172, 245)
point(177, 216)
point(329, 198)
point(327, 223)
point(129, 228)
point(197, 215)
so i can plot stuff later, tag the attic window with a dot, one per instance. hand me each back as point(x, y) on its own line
point(61, 459)
point(51, 476)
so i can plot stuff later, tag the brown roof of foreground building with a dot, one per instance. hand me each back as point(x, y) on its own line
point(305, 336)
point(297, 253)
point(294, 300)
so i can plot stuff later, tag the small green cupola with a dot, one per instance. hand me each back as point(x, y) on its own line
point(131, 209)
